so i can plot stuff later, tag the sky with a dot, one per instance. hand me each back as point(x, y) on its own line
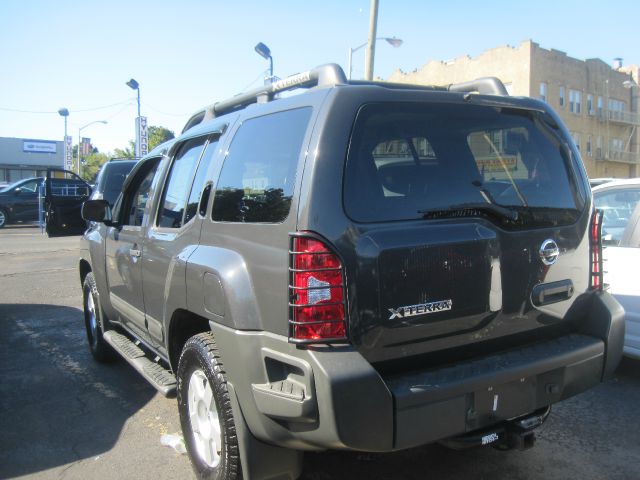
point(187, 54)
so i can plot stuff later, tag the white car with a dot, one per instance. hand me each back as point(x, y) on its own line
point(620, 202)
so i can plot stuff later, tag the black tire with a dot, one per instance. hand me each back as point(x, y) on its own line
point(4, 217)
point(94, 322)
point(200, 367)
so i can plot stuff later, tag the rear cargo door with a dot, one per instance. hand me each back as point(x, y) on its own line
point(65, 192)
point(453, 205)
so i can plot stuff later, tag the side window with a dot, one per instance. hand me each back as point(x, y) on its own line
point(140, 197)
point(178, 183)
point(30, 187)
point(258, 176)
point(130, 206)
point(199, 181)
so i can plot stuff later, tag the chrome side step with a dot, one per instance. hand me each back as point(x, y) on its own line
point(163, 380)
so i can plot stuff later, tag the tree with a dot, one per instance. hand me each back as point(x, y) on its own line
point(155, 136)
point(91, 165)
point(128, 152)
point(158, 135)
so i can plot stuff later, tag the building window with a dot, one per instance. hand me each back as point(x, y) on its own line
point(3, 175)
point(599, 155)
point(590, 110)
point(599, 106)
point(575, 101)
point(589, 151)
point(617, 105)
point(561, 98)
point(576, 139)
point(543, 91)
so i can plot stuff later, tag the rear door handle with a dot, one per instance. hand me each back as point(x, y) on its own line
point(134, 252)
point(547, 293)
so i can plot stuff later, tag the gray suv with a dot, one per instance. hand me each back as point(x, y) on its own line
point(362, 266)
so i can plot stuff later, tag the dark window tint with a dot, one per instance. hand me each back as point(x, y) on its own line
point(179, 182)
point(111, 179)
point(258, 175)
point(199, 181)
point(140, 197)
point(409, 161)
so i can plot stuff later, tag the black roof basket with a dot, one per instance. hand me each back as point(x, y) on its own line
point(323, 76)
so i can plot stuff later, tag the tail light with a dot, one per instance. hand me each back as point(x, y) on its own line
point(316, 292)
point(595, 242)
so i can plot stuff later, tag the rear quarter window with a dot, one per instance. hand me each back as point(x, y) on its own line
point(259, 172)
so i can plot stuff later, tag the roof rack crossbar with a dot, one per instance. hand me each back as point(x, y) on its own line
point(323, 76)
point(484, 86)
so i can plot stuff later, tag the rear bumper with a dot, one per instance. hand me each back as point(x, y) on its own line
point(331, 397)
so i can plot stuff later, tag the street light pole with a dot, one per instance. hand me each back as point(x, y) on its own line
point(136, 86)
point(371, 44)
point(393, 41)
point(80, 139)
point(264, 51)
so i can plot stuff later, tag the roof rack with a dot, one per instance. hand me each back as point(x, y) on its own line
point(322, 76)
point(329, 75)
point(484, 86)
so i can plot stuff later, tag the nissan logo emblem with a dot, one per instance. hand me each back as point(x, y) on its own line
point(549, 252)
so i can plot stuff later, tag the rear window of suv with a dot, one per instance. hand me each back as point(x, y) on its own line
point(410, 161)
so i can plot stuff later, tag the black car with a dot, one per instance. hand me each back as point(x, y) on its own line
point(19, 201)
point(110, 179)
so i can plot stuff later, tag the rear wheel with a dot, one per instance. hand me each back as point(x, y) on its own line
point(205, 411)
point(4, 217)
point(94, 321)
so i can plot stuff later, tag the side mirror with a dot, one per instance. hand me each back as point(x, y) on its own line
point(17, 190)
point(96, 211)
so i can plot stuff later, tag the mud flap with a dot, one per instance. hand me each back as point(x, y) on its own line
point(259, 460)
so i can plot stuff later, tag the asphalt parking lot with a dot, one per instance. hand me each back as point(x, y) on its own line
point(64, 416)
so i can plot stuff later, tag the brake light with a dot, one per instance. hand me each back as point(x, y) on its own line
point(595, 242)
point(317, 293)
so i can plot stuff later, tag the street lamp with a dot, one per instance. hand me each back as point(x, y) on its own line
point(262, 50)
point(135, 86)
point(393, 41)
point(80, 138)
point(63, 112)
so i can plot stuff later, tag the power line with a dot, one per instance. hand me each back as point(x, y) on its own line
point(80, 110)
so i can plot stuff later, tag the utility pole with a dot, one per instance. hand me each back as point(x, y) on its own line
point(371, 45)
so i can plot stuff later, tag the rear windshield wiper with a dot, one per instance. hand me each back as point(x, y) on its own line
point(497, 210)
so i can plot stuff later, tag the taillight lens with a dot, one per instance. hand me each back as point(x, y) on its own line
point(595, 242)
point(317, 293)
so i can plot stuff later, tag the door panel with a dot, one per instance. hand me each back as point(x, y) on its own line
point(65, 192)
point(123, 259)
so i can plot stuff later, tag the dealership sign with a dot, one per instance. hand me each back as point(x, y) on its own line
point(68, 152)
point(39, 146)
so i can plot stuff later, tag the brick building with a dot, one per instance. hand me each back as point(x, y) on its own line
point(597, 102)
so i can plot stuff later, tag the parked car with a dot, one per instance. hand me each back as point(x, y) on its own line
point(19, 201)
point(594, 182)
point(619, 202)
point(111, 178)
point(361, 266)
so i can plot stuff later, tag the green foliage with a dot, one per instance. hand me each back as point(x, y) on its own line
point(91, 164)
point(128, 152)
point(155, 136)
point(158, 135)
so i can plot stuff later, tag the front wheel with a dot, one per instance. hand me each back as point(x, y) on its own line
point(94, 321)
point(4, 217)
point(205, 411)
